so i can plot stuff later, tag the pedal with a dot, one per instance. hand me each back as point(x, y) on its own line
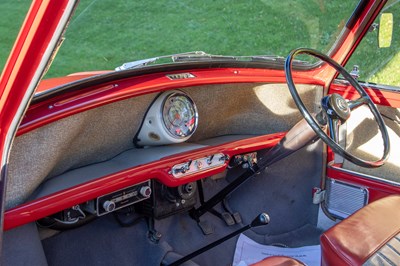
point(236, 216)
point(206, 227)
point(228, 218)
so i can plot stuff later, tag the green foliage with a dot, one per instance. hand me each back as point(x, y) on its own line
point(109, 33)
point(104, 34)
point(12, 14)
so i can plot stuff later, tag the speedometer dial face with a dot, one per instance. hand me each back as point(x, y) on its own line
point(179, 115)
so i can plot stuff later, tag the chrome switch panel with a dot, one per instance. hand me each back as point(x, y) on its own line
point(198, 165)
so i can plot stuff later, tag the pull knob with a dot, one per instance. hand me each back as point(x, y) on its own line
point(109, 206)
point(145, 191)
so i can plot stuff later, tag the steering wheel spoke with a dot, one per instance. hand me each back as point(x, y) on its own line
point(354, 104)
point(334, 125)
point(337, 109)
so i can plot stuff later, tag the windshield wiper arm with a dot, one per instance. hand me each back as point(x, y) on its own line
point(136, 64)
point(145, 62)
point(200, 56)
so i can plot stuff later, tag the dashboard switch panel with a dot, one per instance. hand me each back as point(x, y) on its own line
point(198, 165)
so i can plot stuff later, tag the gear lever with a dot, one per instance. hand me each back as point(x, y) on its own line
point(261, 219)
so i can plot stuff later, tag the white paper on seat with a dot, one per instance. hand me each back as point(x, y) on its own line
point(248, 252)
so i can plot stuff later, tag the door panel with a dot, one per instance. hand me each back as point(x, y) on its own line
point(362, 138)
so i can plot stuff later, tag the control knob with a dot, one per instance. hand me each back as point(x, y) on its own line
point(145, 191)
point(109, 206)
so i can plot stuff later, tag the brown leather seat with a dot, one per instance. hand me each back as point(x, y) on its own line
point(278, 261)
point(371, 236)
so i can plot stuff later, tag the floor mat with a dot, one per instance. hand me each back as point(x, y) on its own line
point(248, 251)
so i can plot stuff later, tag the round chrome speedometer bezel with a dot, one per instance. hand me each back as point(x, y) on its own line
point(189, 106)
point(155, 130)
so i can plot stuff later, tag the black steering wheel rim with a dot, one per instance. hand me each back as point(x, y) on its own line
point(315, 125)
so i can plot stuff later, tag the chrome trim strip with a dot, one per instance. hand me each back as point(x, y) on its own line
point(198, 165)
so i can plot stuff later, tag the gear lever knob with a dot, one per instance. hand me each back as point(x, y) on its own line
point(261, 219)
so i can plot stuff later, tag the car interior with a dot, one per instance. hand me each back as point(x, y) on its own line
point(169, 165)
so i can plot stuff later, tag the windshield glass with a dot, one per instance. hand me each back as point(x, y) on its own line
point(104, 34)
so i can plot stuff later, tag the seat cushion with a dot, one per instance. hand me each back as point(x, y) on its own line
point(278, 261)
point(368, 236)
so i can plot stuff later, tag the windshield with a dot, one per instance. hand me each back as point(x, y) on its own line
point(104, 34)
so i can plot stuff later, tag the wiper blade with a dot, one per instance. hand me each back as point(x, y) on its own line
point(200, 56)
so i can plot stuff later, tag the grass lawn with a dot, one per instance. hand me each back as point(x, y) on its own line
point(100, 37)
point(12, 14)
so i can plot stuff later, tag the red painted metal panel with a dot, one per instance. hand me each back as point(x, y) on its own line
point(159, 170)
point(47, 84)
point(36, 33)
point(364, 21)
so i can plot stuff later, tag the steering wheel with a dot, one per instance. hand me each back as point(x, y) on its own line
point(336, 110)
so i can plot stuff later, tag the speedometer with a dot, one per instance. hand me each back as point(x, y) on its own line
point(179, 115)
point(172, 118)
